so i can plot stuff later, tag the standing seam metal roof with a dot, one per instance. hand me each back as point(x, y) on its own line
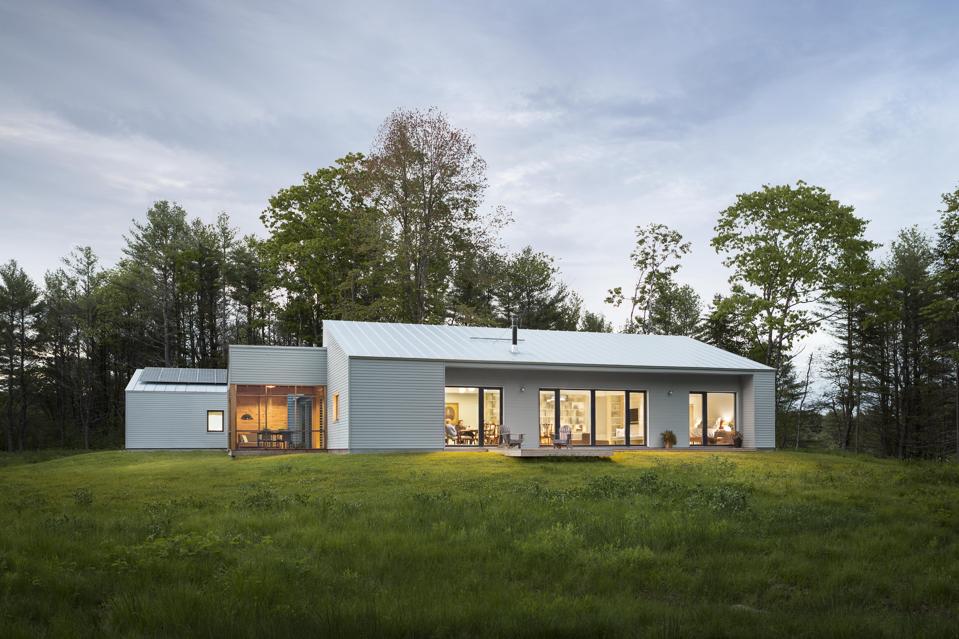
point(476, 344)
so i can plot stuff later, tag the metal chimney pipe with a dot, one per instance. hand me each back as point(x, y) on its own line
point(515, 347)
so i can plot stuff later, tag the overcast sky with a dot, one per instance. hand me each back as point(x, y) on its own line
point(593, 118)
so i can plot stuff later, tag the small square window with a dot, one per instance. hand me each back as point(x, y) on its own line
point(336, 407)
point(214, 421)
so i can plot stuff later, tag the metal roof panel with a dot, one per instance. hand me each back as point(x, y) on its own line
point(477, 344)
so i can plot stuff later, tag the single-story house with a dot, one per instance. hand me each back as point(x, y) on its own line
point(386, 387)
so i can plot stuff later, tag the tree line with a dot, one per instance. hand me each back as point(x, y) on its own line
point(404, 234)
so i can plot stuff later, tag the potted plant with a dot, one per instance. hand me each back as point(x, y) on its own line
point(669, 438)
point(738, 440)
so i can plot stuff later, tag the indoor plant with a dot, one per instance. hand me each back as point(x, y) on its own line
point(669, 438)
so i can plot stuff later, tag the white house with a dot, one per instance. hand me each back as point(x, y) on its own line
point(386, 387)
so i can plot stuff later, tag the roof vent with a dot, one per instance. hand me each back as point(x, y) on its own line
point(515, 346)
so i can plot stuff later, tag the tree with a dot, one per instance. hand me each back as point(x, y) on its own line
point(594, 323)
point(657, 247)
point(20, 310)
point(330, 246)
point(849, 283)
point(477, 277)
point(57, 329)
point(910, 273)
point(530, 290)
point(84, 279)
point(725, 326)
point(675, 309)
point(157, 246)
point(429, 182)
point(945, 308)
point(250, 282)
point(783, 244)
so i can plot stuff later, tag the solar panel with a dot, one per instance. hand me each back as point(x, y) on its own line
point(151, 374)
point(156, 375)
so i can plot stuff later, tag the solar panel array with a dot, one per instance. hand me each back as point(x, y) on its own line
point(156, 375)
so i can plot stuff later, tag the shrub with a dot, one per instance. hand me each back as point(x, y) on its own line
point(669, 438)
point(722, 498)
point(83, 497)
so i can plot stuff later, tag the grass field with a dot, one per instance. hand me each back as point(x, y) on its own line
point(452, 545)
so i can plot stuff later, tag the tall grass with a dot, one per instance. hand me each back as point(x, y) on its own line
point(187, 544)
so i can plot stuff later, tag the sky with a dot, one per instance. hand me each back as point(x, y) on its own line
point(593, 118)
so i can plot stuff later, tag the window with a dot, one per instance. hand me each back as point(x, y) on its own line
point(492, 410)
point(610, 418)
point(214, 421)
point(637, 419)
point(712, 419)
point(593, 417)
point(472, 416)
point(575, 410)
point(547, 417)
point(278, 416)
point(336, 407)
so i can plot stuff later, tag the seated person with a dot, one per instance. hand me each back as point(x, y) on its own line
point(723, 435)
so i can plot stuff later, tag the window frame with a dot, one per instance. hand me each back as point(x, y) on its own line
point(705, 437)
point(592, 414)
point(335, 407)
point(222, 414)
point(481, 424)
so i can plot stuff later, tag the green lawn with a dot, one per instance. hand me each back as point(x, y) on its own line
point(648, 544)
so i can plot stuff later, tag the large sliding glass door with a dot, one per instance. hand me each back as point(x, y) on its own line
point(473, 416)
point(593, 417)
point(712, 419)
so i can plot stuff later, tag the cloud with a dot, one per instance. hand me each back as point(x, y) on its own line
point(126, 164)
point(592, 119)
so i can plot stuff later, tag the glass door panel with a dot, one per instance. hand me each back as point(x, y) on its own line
point(696, 415)
point(492, 406)
point(637, 419)
point(575, 409)
point(720, 418)
point(547, 417)
point(461, 416)
point(610, 418)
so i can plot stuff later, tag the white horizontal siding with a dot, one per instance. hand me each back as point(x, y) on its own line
point(305, 365)
point(764, 387)
point(748, 407)
point(338, 431)
point(173, 420)
point(395, 404)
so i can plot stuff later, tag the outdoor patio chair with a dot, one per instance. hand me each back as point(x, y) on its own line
point(508, 439)
point(563, 439)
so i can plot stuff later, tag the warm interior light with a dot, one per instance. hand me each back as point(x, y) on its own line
point(271, 385)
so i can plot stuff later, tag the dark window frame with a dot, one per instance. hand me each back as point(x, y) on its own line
point(592, 413)
point(705, 436)
point(222, 421)
point(481, 424)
